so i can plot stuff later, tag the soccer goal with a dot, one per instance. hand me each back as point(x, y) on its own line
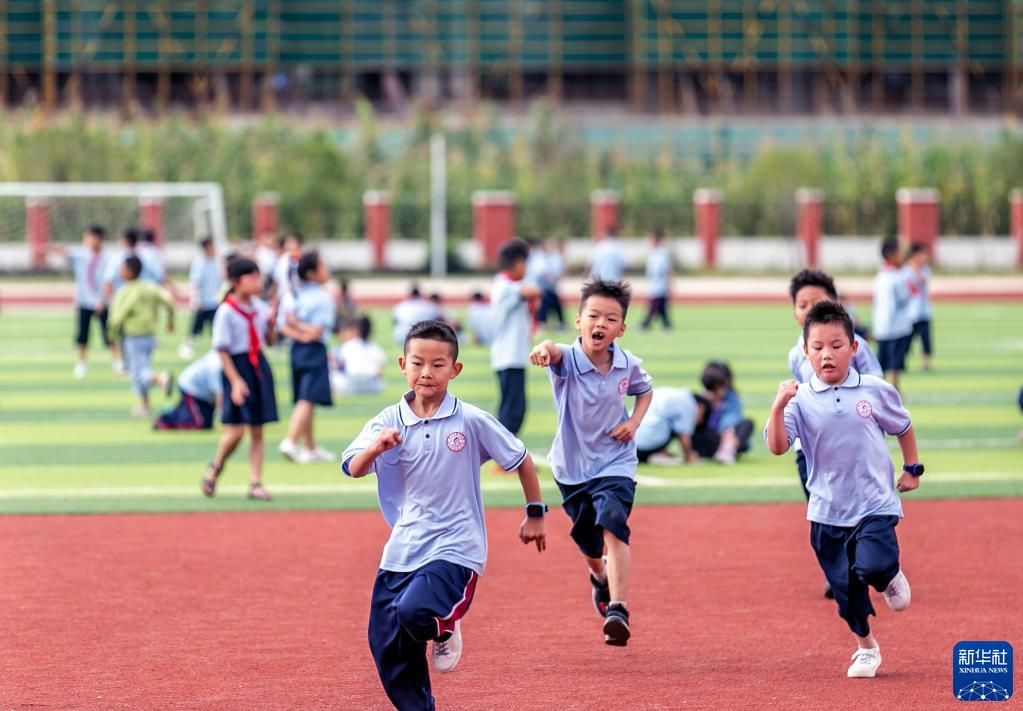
point(35, 215)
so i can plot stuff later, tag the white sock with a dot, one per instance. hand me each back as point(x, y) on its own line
point(601, 576)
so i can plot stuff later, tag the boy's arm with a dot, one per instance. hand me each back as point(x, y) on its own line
point(362, 463)
point(532, 528)
point(776, 434)
point(545, 354)
point(529, 291)
point(625, 431)
point(168, 303)
point(686, 442)
point(907, 443)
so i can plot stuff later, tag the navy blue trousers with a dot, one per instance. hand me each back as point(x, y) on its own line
point(801, 468)
point(512, 409)
point(407, 611)
point(855, 559)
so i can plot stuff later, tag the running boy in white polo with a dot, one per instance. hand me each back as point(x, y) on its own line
point(841, 417)
point(593, 456)
point(427, 451)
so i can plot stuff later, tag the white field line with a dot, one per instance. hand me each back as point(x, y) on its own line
point(718, 482)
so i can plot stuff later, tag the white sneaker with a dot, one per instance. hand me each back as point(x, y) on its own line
point(118, 368)
point(291, 451)
point(663, 459)
point(80, 370)
point(865, 663)
point(897, 593)
point(186, 351)
point(447, 653)
point(319, 455)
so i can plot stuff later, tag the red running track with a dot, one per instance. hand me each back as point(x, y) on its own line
point(268, 611)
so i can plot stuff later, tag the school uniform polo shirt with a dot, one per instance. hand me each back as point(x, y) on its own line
point(891, 313)
point(849, 469)
point(672, 412)
point(590, 404)
point(608, 261)
point(201, 379)
point(231, 330)
point(510, 347)
point(429, 485)
point(88, 267)
point(658, 272)
point(864, 361)
point(205, 276)
point(311, 304)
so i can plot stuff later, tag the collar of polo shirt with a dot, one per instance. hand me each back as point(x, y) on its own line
point(583, 363)
point(852, 381)
point(408, 418)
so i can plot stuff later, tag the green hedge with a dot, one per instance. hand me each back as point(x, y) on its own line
point(320, 177)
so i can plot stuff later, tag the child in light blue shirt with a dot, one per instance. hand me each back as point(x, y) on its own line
point(608, 260)
point(920, 308)
point(426, 452)
point(658, 277)
point(207, 282)
point(892, 324)
point(842, 416)
point(593, 456)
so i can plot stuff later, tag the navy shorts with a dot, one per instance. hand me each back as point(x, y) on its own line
point(85, 317)
point(200, 318)
point(310, 373)
point(923, 330)
point(598, 505)
point(891, 353)
point(189, 414)
point(260, 406)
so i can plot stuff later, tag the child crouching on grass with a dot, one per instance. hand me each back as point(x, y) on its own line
point(841, 417)
point(242, 326)
point(427, 451)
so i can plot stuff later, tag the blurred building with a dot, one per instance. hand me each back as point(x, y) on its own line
point(689, 56)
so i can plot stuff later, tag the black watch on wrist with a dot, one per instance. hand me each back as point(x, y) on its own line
point(916, 470)
point(536, 510)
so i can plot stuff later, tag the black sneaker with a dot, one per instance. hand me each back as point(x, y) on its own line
point(601, 595)
point(828, 592)
point(616, 626)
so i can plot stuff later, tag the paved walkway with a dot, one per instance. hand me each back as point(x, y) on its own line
point(382, 291)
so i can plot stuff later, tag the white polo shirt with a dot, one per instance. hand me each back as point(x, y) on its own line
point(429, 485)
point(672, 413)
point(891, 309)
point(590, 404)
point(512, 338)
point(231, 329)
point(849, 469)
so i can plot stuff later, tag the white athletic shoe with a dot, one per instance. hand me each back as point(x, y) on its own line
point(80, 370)
point(663, 459)
point(186, 351)
point(291, 450)
point(865, 663)
point(447, 653)
point(319, 455)
point(897, 593)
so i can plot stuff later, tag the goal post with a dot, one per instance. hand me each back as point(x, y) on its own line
point(35, 215)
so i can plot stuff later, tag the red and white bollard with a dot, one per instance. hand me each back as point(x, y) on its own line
point(1016, 223)
point(376, 206)
point(37, 231)
point(809, 219)
point(265, 218)
point(493, 222)
point(151, 216)
point(919, 217)
point(603, 213)
point(707, 204)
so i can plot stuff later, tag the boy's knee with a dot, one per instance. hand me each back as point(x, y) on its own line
point(412, 617)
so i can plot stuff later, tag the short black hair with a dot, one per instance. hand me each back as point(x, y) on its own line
point(477, 296)
point(134, 265)
point(889, 248)
point(511, 253)
point(147, 235)
point(716, 374)
point(97, 230)
point(620, 291)
point(829, 312)
point(918, 247)
point(414, 291)
point(436, 298)
point(130, 235)
point(307, 264)
point(812, 277)
point(205, 242)
point(433, 330)
point(365, 327)
point(239, 267)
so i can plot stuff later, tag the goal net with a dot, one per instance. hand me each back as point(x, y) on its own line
point(35, 215)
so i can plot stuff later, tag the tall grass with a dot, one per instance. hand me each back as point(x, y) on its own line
point(551, 170)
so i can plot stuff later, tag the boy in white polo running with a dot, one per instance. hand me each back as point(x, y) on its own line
point(841, 416)
point(427, 451)
point(593, 456)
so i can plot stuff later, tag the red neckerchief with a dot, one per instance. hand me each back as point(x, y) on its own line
point(250, 318)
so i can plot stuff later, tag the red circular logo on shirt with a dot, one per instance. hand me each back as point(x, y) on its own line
point(623, 386)
point(863, 408)
point(456, 441)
